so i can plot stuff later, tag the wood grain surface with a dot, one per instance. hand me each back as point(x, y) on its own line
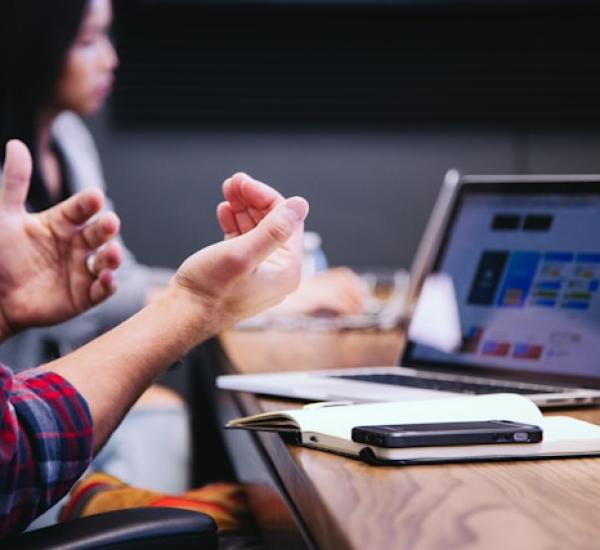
point(345, 503)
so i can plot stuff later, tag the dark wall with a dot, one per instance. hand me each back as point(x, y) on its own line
point(372, 64)
point(525, 86)
point(370, 193)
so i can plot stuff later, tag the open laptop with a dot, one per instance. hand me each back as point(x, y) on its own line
point(522, 254)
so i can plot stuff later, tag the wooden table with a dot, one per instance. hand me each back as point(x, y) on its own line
point(306, 498)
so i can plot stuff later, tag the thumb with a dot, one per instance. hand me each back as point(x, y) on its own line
point(275, 230)
point(17, 174)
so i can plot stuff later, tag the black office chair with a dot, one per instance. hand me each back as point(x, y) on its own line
point(131, 529)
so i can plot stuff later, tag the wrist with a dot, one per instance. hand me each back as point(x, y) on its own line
point(194, 317)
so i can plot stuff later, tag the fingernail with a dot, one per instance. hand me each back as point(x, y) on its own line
point(297, 207)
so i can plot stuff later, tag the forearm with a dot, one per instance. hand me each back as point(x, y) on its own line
point(112, 371)
point(213, 288)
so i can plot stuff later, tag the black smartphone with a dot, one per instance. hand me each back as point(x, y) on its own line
point(447, 433)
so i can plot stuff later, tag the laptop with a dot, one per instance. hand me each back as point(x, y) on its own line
point(519, 259)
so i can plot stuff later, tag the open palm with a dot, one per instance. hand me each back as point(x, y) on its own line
point(44, 275)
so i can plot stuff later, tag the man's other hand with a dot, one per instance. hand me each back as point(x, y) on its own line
point(260, 261)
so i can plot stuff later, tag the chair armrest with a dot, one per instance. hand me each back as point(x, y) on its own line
point(130, 529)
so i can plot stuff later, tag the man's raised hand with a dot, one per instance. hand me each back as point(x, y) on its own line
point(260, 261)
point(55, 264)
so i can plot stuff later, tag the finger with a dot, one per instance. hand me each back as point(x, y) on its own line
point(259, 195)
point(351, 304)
point(350, 301)
point(244, 221)
point(17, 174)
point(227, 220)
point(244, 189)
point(232, 193)
point(103, 287)
point(76, 210)
point(109, 257)
point(250, 199)
point(101, 230)
point(276, 230)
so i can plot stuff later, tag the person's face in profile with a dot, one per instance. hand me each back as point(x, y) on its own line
point(88, 73)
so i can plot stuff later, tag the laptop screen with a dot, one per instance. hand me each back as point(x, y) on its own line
point(525, 268)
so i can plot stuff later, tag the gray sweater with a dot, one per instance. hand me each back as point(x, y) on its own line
point(134, 280)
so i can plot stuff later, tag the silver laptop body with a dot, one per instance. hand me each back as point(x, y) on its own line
point(522, 254)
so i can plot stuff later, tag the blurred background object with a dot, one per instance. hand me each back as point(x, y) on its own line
point(314, 259)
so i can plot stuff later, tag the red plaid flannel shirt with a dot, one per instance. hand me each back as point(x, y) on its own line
point(45, 444)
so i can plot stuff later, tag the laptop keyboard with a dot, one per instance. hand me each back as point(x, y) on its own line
point(449, 385)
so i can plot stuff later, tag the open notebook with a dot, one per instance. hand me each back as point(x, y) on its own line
point(329, 428)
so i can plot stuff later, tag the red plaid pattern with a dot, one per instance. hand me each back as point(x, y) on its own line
point(45, 444)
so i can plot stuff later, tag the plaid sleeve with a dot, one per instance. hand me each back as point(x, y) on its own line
point(45, 444)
